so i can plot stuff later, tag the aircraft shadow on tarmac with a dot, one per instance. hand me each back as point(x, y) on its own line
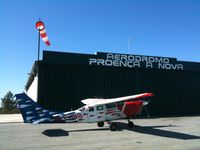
point(61, 132)
point(154, 130)
point(151, 130)
point(55, 132)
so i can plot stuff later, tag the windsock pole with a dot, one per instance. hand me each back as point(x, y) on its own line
point(39, 28)
point(38, 59)
point(39, 44)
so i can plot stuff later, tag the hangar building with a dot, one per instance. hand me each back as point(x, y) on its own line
point(64, 79)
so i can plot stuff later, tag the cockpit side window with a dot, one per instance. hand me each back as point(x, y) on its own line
point(120, 104)
point(91, 109)
point(110, 106)
point(100, 107)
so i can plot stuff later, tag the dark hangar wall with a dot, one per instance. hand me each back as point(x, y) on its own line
point(64, 81)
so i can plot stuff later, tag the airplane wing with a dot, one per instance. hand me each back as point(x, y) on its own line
point(90, 100)
point(121, 99)
point(134, 97)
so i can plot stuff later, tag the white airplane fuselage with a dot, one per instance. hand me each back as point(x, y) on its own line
point(93, 116)
point(95, 110)
point(103, 112)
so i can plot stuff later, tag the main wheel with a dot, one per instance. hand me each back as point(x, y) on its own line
point(100, 124)
point(130, 124)
point(113, 126)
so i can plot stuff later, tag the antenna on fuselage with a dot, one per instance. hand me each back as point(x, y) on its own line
point(100, 97)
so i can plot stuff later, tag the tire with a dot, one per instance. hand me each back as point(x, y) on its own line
point(100, 124)
point(113, 126)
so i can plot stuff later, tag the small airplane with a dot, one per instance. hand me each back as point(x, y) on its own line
point(95, 110)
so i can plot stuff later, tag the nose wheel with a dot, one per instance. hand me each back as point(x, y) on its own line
point(130, 124)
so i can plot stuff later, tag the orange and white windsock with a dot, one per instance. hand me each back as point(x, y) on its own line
point(41, 28)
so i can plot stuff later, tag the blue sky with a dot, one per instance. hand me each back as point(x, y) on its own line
point(169, 28)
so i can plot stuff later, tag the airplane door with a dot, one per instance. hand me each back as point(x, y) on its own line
point(92, 114)
point(96, 113)
point(100, 112)
point(112, 112)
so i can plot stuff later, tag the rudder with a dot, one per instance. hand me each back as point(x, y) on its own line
point(31, 111)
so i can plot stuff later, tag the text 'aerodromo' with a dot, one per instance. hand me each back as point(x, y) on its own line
point(136, 61)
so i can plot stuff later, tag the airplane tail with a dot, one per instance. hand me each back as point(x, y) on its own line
point(31, 111)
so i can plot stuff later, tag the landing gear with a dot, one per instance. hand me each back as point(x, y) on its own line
point(130, 123)
point(113, 126)
point(100, 124)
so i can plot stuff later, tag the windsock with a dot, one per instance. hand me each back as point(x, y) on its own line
point(41, 28)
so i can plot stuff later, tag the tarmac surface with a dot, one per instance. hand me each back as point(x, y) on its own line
point(176, 133)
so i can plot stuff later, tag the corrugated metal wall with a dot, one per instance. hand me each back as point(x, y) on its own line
point(62, 86)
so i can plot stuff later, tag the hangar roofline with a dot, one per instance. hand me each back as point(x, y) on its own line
point(83, 59)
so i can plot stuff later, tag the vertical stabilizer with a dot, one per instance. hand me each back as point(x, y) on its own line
point(31, 111)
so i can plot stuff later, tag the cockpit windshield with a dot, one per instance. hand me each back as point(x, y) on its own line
point(82, 108)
